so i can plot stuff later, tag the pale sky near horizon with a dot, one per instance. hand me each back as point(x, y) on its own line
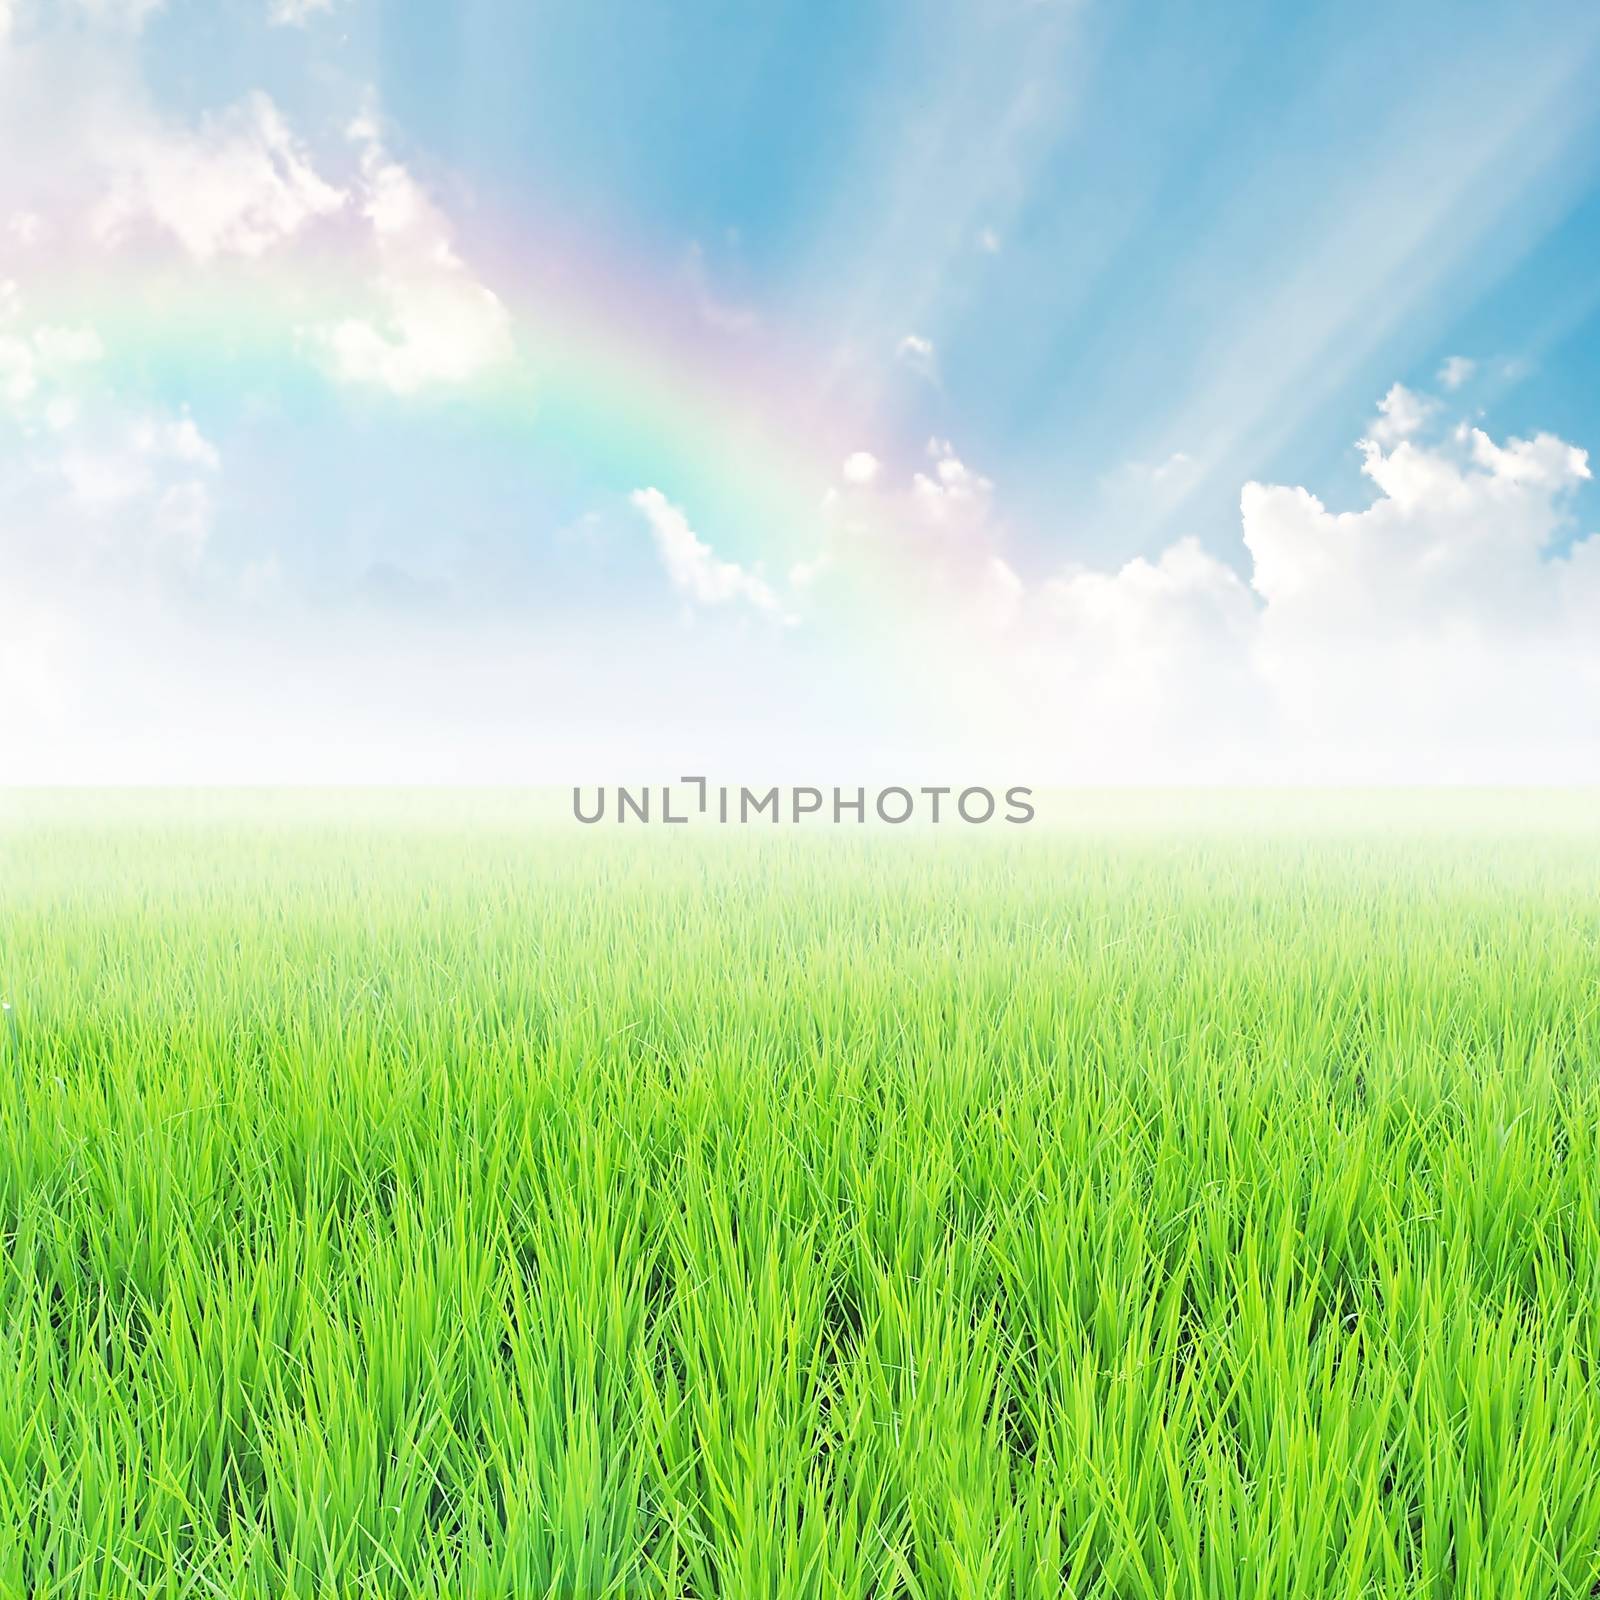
point(1026, 390)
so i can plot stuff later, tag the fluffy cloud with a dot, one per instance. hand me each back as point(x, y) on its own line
point(441, 326)
point(1459, 531)
point(859, 467)
point(1149, 620)
point(1448, 629)
point(38, 360)
point(1456, 371)
point(1400, 414)
point(1120, 674)
point(692, 566)
point(953, 488)
point(90, 143)
point(1445, 618)
point(26, 360)
point(238, 184)
point(96, 158)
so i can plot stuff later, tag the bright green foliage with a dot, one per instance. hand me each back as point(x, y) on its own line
point(401, 1199)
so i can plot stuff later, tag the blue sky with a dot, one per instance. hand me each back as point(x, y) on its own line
point(1178, 193)
point(1069, 274)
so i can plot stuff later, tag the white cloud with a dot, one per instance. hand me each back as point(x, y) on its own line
point(953, 487)
point(441, 325)
point(1141, 658)
point(860, 467)
point(989, 242)
point(1459, 533)
point(241, 183)
point(1401, 413)
point(1150, 613)
point(148, 481)
point(693, 567)
point(1448, 630)
point(295, 13)
point(37, 361)
point(917, 353)
point(177, 440)
point(238, 184)
point(1440, 629)
point(1456, 371)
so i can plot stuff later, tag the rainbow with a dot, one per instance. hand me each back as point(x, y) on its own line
point(625, 382)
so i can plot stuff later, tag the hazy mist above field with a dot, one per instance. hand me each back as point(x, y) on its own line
point(1040, 389)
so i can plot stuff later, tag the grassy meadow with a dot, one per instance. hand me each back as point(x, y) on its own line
point(408, 1196)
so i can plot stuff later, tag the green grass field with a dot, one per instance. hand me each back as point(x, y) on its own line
point(400, 1197)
